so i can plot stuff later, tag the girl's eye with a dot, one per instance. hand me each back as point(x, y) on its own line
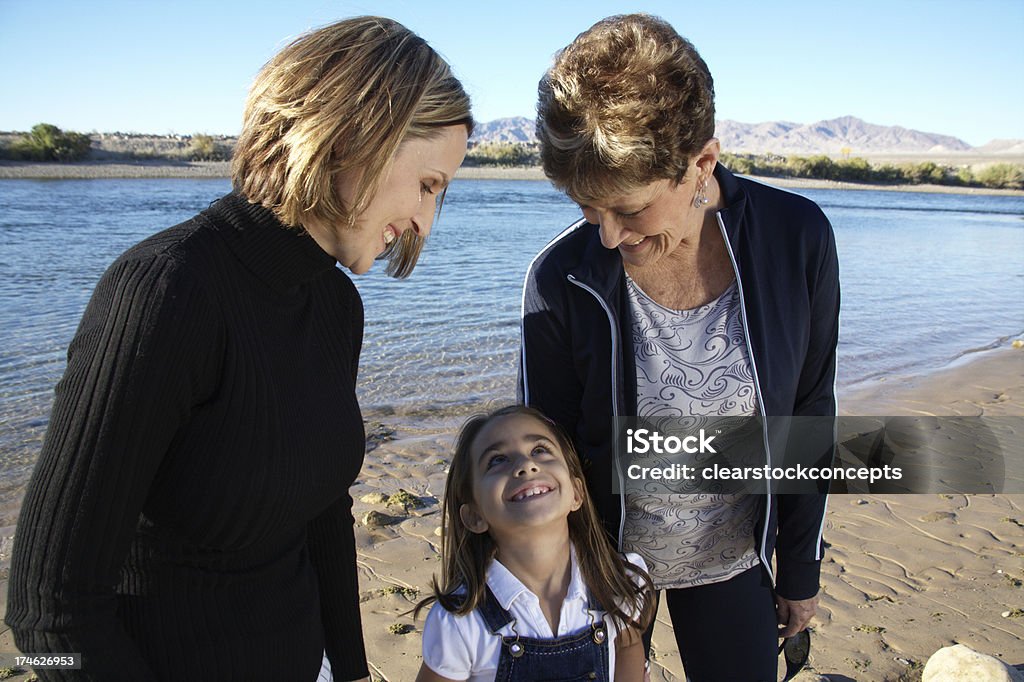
point(542, 450)
point(424, 187)
point(496, 460)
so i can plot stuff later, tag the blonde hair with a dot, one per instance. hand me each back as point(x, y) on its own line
point(342, 99)
point(465, 555)
point(628, 102)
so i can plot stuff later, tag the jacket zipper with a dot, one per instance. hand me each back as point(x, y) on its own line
point(615, 393)
point(757, 390)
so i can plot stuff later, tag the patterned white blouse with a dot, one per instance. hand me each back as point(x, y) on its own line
point(691, 364)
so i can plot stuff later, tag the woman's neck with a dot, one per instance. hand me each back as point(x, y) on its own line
point(544, 568)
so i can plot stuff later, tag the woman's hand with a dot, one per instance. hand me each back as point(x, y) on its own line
point(794, 614)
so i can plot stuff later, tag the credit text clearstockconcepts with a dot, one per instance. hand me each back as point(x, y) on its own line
point(637, 443)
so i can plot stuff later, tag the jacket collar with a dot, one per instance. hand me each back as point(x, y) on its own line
point(735, 203)
point(283, 257)
point(599, 268)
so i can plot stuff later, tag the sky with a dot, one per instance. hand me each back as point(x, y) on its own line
point(954, 68)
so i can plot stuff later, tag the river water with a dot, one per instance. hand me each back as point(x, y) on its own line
point(926, 278)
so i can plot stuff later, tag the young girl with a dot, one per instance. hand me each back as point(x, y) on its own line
point(532, 588)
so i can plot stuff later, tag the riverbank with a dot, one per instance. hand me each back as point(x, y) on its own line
point(94, 170)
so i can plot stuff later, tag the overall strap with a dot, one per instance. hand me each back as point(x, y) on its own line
point(493, 614)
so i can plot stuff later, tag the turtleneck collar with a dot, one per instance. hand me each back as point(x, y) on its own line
point(283, 257)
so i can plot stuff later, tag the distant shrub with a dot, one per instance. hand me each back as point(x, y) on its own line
point(926, 172)
point(205, 148)
point(964, 176)
point(1002, 176)
point(502, 154)
point(855, 170)
point(46, 142)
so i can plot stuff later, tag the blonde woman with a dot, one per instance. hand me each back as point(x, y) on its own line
point(189, 514)
point(684, 292)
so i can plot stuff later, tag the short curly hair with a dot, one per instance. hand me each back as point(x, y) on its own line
point(628, 102)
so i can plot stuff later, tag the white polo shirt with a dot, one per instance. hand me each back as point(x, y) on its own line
point(463, 648)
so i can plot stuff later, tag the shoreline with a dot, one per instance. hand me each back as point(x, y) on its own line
point(161, 168)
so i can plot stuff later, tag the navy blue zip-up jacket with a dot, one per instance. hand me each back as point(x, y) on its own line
point(577, 360)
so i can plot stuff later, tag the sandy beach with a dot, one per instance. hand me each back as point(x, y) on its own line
point(904, 574)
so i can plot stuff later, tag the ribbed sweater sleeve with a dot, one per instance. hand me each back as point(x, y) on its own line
point(332, 549)
point(144, 354)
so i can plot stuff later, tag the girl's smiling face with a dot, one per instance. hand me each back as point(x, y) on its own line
point(520, 478)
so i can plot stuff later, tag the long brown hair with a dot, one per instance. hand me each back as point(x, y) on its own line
point(465, 555)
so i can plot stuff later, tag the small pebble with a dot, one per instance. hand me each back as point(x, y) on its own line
point(374, 519)
point(374, 498)
point(1005, 614)
point(1018, 344)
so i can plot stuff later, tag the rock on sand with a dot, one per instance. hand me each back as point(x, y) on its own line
point(960, 663)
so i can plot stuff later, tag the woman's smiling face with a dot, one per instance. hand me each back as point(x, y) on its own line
point(648, 222)
point(405, 200)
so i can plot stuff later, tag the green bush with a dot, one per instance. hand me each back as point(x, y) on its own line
point(47, 142)
point(925, 173)
point(1002, 176)
point(502, 154)
point(205, 148)
point(855, 170)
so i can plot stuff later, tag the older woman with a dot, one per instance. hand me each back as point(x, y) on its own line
point(684, 291)
point(189, 514)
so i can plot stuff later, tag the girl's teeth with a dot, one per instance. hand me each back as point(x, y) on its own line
point(529, 493)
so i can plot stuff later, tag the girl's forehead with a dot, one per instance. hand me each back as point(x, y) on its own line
point(509, 428)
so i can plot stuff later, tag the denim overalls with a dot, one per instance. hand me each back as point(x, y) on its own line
point(582, 655)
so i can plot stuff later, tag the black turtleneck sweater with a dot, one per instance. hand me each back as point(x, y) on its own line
point(189, 516)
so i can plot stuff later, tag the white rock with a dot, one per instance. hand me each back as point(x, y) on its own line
point(960, 663)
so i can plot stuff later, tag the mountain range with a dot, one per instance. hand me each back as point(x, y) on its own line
point(843, 135)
